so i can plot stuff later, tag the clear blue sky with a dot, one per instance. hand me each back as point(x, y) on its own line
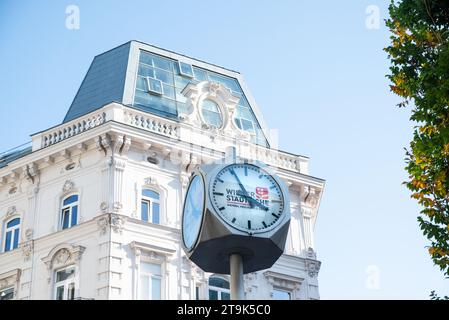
point(318, 75)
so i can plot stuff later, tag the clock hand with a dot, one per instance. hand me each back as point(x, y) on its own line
point(252, 201)
point(245, 193)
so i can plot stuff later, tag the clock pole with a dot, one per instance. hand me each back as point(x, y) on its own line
point(236, 271)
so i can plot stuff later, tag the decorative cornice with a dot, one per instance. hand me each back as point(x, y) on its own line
point(62, 255)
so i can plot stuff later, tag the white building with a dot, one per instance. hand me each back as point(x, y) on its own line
point(92, 209)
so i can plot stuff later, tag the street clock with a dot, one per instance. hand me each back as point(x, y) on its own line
point(239, 208)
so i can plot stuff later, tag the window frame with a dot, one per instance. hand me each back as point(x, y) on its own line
point(14, 236)
point(151, 276)
point(182, 73)
point(155, 92)
point(69, 207)
point(150, 201)
point(65, 283)
point(220, 113)
point(219, 290)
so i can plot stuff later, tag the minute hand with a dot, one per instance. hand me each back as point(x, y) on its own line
point(252, 201)
point(245, 193)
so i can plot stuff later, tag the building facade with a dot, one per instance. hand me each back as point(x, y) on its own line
point(92, 208)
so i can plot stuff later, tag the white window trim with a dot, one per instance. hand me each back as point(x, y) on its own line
point(152, 276)
point(159, 93)
point(70, 208)
point(66, 282)
point(150, 201)
point(144, 252)
point(185, 74)
point(12, 229)
point(218, 289)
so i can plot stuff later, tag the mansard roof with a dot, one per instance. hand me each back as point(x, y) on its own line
point(151, 79)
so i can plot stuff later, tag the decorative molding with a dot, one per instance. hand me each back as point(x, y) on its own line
point(104, 207)
point(151, 181)
point(12, 210)
point(27, 250)
point(111, 221)
point(10, 279)
point(313, 267)
point(117, 223)
point(280, 280)
point(62, 255)
point(103, 223)
point(68, 186)
point(29, 234)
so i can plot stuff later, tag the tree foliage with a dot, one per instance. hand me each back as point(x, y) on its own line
point(419, 56)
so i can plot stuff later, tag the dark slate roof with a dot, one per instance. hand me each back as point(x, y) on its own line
point(14, 154)
point(103, 83)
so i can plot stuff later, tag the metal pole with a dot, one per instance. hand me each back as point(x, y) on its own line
point(236, 268)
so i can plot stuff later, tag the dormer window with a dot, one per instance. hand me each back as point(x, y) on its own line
point(211, 113)
point(185, 69)
point(155, 86)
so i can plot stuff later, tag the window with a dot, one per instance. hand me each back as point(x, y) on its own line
point(219, 289)
point(65, 284)
point(150, 281)
point(12, 230)
point(7, 294)
point(155, 86)
point(211, 113)
point(279, 294)
point(150, 206)
point(69, 212)
point(197, 293)
point(185, 69)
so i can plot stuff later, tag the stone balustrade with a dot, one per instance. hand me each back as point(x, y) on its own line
point(173, 129)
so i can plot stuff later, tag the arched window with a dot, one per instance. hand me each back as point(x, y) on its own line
point(69, 212)
point(150, 206)
point(12, 230)
point(219, 289)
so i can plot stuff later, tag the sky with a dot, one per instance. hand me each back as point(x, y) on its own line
point(317, 72)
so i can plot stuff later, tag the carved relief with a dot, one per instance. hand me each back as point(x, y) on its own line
point(27, 250)
point(222, 96)
point(150, 181)
point(12, 210)
point(117, 223)
point(313, 267)
point(68, 186)
point(62, 255)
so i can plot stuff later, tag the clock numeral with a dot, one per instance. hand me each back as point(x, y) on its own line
point(264, 224)
point(246, 171)
point(249, 224)
point(233, 220)
point(276, 201)
point(272, 187)
point(222, 208)
point(218, 193)
point(275, 215)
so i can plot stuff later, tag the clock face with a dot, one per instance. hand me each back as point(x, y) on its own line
point(247, 197)
point(193, 212)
